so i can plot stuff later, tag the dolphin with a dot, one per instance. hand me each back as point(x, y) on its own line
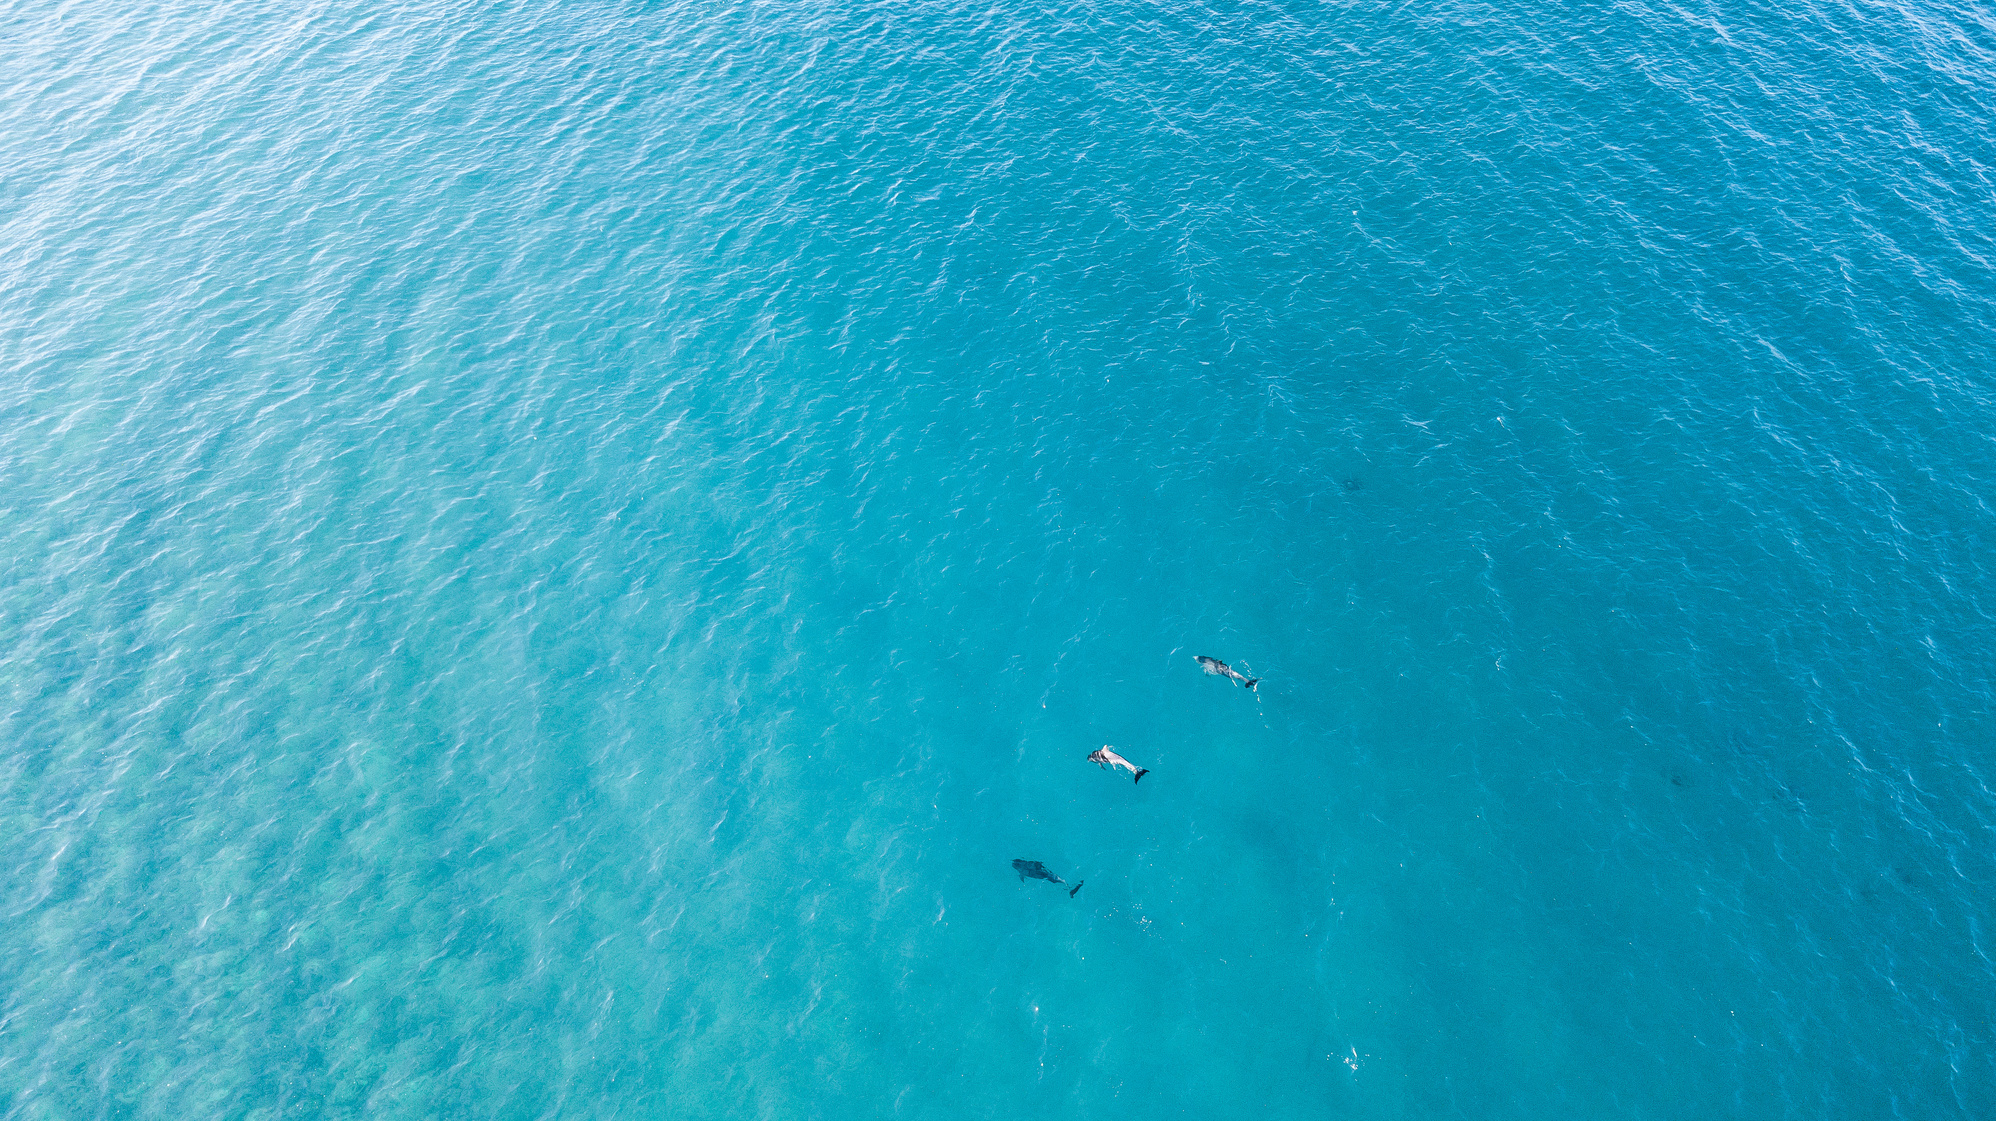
point(1110, 760)
point(1218, 668)
point(1034, 869)
point(1039, 871)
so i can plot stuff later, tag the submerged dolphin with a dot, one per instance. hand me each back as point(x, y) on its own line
point(1039, 871)
point(1111, 760)
point(1218, 668)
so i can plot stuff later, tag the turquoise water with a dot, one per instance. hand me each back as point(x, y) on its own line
point(551, 556)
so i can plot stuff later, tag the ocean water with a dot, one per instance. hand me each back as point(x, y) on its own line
point(553, 553)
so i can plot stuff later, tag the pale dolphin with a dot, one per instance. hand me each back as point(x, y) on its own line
point(1218, 668)
point(1110, 760)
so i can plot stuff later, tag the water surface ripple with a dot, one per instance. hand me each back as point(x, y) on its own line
point(551, 555)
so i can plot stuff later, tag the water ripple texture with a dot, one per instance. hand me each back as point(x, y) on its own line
point(553, 553)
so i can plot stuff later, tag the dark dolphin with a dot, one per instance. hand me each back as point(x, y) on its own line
point(1039, 871)
point(1034, 869)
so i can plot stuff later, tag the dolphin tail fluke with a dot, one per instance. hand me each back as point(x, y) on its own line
point(1140, 774)
point(1249, 683)
point(1077, 887)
